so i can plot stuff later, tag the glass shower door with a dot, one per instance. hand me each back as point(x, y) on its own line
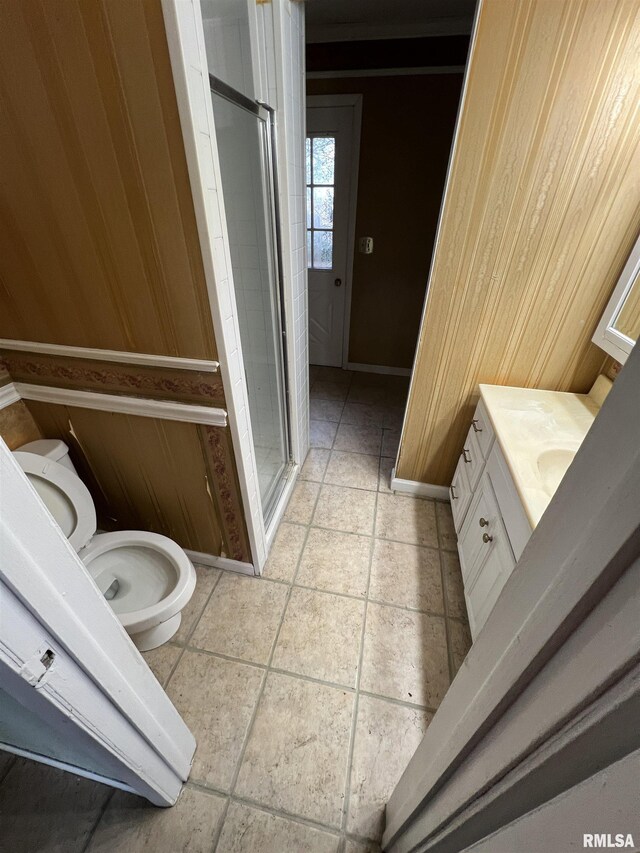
point(243, 132)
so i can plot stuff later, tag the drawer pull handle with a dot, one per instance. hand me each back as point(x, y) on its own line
point(474, 424)
point(466, 455)
point(453, 493)
point(483, 522)
point(487, 538)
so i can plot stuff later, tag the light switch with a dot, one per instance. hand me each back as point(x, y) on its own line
point(366, 245)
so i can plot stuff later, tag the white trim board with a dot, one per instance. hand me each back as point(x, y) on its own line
point(214, 562)
point(163, 409)
point(140, 358)
point(419, 490)
point(378, 368)
point(8, 395)
point(386, 72)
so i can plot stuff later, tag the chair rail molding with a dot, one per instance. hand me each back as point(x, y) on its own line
point(163, 409)
point(8, 395)
point(119, 356)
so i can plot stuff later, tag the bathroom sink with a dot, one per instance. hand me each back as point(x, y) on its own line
point(552, 465)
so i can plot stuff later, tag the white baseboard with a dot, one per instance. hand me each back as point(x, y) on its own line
point(223, 563)
point(8, 395)
point(378, 368)
point(420, 490)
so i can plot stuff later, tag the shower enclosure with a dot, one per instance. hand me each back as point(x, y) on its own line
point(244, 133)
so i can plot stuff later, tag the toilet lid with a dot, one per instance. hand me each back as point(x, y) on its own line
point(64, 495)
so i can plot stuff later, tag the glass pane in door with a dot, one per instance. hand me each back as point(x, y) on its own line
point(246, 183)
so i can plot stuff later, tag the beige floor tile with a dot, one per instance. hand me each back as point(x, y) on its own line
point(335, 562)
point(320, 636)
point(364, 414)
point(349, 510)
point(296, 758)
point(393, 417)
point(319, 372)
point(325, 410)
point(453, 586)
point(406, 575)
point(242, 618)
point(390, 442)
point(322, 433)
point(387, 464)
point(249, 830)
point(285, 551)
point(356, 470)
point(216, 698)
point(315, 464)
point(355, 438)
point(133, 825)
point(460, 639)
point(45, 809)
point(205, 581)
point(321, 390)
point(405, 656)
point(406, 520)
point(387, 735)
point(162, 660)
point(370, 395)
point(446, 530)
point(361, 847)
point(302, 502)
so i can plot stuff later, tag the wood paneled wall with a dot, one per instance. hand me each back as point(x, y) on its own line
point(541, 211)
point(98, 239)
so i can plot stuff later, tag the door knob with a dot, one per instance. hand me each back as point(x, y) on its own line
point(338, 282)
point(483, 522)
point(487, 538)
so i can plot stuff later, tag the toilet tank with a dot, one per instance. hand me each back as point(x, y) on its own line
point(53, 449)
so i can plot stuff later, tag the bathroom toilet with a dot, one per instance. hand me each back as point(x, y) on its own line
point(146, 578)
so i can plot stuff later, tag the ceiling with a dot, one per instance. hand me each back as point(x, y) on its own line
point(350, 20)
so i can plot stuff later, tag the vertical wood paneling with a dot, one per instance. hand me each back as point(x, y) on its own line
point(541, 211)
point(98, 239)
point(143, 474)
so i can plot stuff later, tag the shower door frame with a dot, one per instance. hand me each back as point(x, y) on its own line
point(269, 165)
point(187, 51)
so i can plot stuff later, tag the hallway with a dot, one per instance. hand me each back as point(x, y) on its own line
point(307, 691)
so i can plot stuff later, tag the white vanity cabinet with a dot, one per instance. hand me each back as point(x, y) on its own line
point(489, 519)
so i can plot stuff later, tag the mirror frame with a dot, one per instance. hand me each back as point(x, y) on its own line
point(606, 336)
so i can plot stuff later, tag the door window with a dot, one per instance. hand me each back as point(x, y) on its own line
point(320, 170)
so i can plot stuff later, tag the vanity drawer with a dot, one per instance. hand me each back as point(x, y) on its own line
point(472, 458)
point(460, 494)
point(483, 430)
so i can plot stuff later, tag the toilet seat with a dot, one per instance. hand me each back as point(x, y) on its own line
point(64, 494)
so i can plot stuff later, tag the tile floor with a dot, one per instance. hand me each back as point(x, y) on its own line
point(308, 690)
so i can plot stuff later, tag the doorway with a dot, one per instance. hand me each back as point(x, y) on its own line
point(331, 161)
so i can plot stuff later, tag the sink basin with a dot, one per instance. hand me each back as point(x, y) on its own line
point(552, 465)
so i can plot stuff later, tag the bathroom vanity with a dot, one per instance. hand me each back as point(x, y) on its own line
point(519, 445)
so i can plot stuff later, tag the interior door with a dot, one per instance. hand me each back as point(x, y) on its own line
point(329, 176)
point(75, 692)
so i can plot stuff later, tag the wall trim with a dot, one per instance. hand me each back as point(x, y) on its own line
point(224, 563)
point(8, 395)
point(175, 362)
point(420, 490)
point(163, 409)
point(378, 368)
point(386, 72)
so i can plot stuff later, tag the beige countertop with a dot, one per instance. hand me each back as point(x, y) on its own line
point(539, 433)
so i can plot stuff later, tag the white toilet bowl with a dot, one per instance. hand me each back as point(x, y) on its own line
point(146, 578)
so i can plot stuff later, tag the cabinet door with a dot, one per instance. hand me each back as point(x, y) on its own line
point(497, 564)
point(460, 494)
point(482, 518)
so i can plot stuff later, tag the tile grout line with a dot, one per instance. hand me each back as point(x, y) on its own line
point(352, 736)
